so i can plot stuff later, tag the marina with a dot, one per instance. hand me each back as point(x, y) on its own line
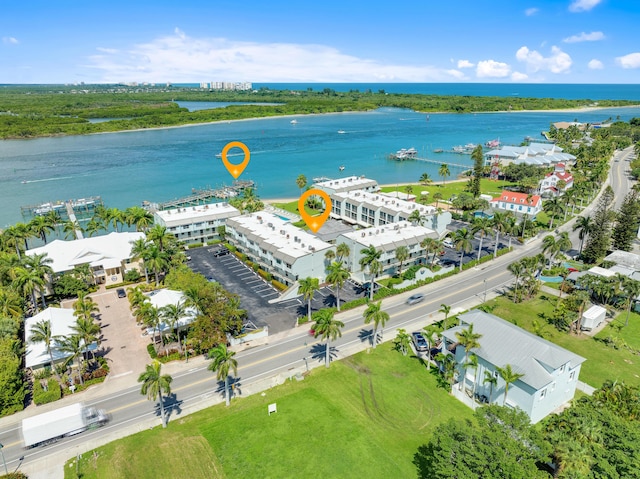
point(202, 196)
point(68, 210)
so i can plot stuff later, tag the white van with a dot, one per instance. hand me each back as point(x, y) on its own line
point(447, 242)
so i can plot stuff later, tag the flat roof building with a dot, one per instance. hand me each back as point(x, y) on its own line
point(386, 239)
point(196, 224)
point(349, 183)
point(287, 252)
point(366, 209)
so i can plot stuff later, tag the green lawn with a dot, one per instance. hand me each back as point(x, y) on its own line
point(364, 417)
point(629, 334)
point(603, 362)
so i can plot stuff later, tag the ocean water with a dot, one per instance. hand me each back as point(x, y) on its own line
point(158, 165)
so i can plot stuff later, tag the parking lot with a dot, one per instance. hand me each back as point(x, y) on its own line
point(452, 256)
point(255, 293)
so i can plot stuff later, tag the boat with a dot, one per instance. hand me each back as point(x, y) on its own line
point(438, 150)
point(294, 122)
point(464, 149)
point(341, 167)
point(341, 132)
point(404, 154)
point(493, 143)
point(319, 179)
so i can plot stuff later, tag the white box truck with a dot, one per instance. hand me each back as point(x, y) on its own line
point(66, 421)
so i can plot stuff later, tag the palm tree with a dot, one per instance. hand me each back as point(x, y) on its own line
point(374, 314)
point(116, 217)
point(328, 328)
point(138, 216)
point(88, 331)
point(337, 275)
point(473, 364)
point(308, 286)
point(402, 341)
point(425, 179)
point(554, 206)
point(462, 241)
point(10, 304)
point(416, 218)
point(154, 384)
point(27, 280)
point(40, 264)
point(40, 226)
point(468, 340)
point(140, 250)
point(499, 223)
point(482, 226)
point(342, 251)
point(157, 261)
point(301, 181)
point(402, 253)
point(41, 333)
point(444, 172)
point(632, 289)
point(584, 224)
point(509, 377)
point(329, 256)
point(69, 229)
point(150, 317)
point(371, 259)
point(159, 236)
point(550, 246)
point(437, 196)
point(492, 380)
point(85, 307)
point(445, 309)
point(516, 268)
point(73, 346)
point(94, 226)
point(172, 314)
point(430, 334)
point(223, 362)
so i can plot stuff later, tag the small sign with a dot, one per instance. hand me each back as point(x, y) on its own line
point(272, 408)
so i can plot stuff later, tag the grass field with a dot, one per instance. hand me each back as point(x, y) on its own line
point(603, 361)
point(364, 417)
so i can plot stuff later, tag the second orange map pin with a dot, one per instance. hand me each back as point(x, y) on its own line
point(235, 170)
point(314, 222)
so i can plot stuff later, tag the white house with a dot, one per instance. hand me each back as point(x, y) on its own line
point(109, 256)
point(164, 297)
point(386, 239)
point(287, 252)
point(518, 203)
point(550, 373)
point(61, 320)
point(196, 224)
point(540, 154)
point(549, 184)
point(362, 208)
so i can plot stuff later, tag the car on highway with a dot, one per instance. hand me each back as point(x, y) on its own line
point(419, 342)
point(121, 293)
point(415, 298)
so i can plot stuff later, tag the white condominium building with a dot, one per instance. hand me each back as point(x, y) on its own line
point(350, 183)
point(386, 239)
point(373, 209)
point(195, 224)
point(287, 252)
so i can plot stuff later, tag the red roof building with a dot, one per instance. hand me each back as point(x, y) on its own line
point(520, 203)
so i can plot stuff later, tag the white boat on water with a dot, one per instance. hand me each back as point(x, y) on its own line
point(465, 149)
point(294, 122)
point(404, 154)
point(341, 132)
point(341, 167)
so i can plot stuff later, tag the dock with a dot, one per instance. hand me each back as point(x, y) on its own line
point(67, 210)
point(72, 217)
point(435, 162)
point(202, 196)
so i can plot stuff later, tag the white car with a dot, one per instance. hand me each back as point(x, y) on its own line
point(448, 243)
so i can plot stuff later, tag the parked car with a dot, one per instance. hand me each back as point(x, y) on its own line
point(448, 243)
point(416, 298)
point(419, 342)
point(220, 252)
point(121, 293)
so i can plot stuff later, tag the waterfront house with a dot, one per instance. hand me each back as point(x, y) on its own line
point(196, 224)
point(549, 372)
point(108, 256)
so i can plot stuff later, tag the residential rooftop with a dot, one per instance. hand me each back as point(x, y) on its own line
point(191, 214)
point(390, 204)
point(389, 237)
point(348, 183)
point(279, 234)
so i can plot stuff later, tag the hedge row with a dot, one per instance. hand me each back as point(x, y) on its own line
point(53, 392)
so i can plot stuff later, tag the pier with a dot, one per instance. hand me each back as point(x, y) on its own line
point(72, 217)
point(66, 209)
point(202, 196)
point(437, 162)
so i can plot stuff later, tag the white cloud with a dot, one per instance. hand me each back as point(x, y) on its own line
point(457, 74)
point(557, 62)
point(531, 11)
point(10, 40)
point(493, 69)
point(107, 50)
point(181, 58)
point(585, 37)
point(632, 60)
point(465, 64)
point(517, 76)
point(595, 64)
point(583, 5)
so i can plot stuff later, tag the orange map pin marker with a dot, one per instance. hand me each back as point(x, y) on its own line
point(235, 170)
point(314, 222)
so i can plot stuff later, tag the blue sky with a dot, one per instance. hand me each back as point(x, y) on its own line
point(545, 41)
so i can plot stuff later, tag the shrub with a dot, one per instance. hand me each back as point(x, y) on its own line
point(279, 285)
point(15, 475)
point(265, 275)
point(230, 247)
point(53, 392)
point(151, 349)
point(195, 245)
point(213, 242)
point(132, 275)
point(411, 271)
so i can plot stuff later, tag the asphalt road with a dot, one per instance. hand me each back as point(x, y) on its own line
point(259, 366)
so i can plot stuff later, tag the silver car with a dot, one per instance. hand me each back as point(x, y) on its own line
point(416, 298)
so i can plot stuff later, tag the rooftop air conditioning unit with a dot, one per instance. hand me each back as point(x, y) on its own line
point(270, 225)
point(295, 238)
point(310, 248)
point(302, 245)
point(364, 234)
